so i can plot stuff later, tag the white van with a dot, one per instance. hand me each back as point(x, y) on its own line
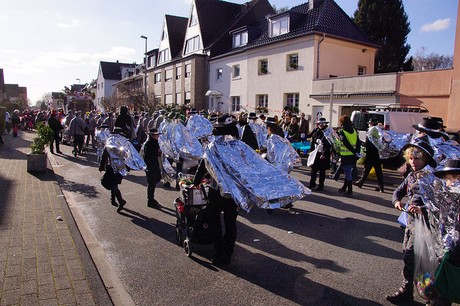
point(397, 118)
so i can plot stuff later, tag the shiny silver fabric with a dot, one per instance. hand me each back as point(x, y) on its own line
point(443, 203)
point(101, 135)
point(444, 150)
point(249, 179)
point(122, 153)
point(281, 153)
point(388, 143)
point(198, 126)
point(176, 141)
point(333, 138)
point(260, 131)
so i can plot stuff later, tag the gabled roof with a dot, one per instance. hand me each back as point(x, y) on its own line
point(176, 26)
point(112, 71)
point(214, 16)
point(326, 17)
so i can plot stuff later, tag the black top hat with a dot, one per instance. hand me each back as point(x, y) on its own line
point(373, 121)
point(154, 131)
point(439, 119)
point(224, 120)
point(452, 165)
point(430, 126)
point(322, 121)
point(193, 111)
point(252, 116)
point(270, 120)
point(162, 111)
point(423, 144)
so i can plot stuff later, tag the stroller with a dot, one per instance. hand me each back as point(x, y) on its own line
point(192, 224)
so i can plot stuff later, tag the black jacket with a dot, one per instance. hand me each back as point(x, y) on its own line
point(151, 152)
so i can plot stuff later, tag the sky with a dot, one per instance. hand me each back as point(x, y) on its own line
point(48, 44)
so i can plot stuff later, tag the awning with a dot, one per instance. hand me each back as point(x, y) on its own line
point(213, 93)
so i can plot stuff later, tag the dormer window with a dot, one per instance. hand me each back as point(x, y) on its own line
point(240, 39)
point(279, 26)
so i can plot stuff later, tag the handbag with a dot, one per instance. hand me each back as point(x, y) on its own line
point(447, 279)
point(312, 157)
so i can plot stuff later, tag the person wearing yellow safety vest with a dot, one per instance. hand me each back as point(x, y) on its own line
point(350, 147)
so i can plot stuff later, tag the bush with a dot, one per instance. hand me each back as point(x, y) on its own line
point(43, 138)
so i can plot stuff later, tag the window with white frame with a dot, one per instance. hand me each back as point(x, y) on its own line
point(188, 97)
point(235, 103)
point(262, 101)
point(192, 44)
point(178, 98)
point(279, 26)
point(169, 99)
point(188, 70)
point(219, 74)
point(240, 39)
point(293, 61)
point(178, 72)
point(263, 66)
point(157, 100)
point(168, 75)
point(236, 71)
point(164, 56)
point(362, 70)
point(292, 100)
point(157, 77)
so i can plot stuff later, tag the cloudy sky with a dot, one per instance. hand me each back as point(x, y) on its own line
point(48, 44)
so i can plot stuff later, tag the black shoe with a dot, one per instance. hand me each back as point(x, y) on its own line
point(120, 206)
point(320, 188)
point(222, 260)
point(167, 184)
point(311, 186)
point(401, 296)
point(59, 152)
point(359, 184)
point(153, 204)
point(379, 189)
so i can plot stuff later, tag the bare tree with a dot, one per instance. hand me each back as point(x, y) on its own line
point(431, 61)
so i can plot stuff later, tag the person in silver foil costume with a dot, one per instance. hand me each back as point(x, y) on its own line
point(223, 245)
point(118, 158)
point(102, 134)
point(442, 198)
point(419, 155)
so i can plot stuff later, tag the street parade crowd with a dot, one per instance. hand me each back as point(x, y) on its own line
point(222, 163)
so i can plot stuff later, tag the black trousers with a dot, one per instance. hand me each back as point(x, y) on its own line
point(225, 244)
point(377, 165)
point(78, 143)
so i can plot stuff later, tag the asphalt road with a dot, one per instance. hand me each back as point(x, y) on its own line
point(327, 250)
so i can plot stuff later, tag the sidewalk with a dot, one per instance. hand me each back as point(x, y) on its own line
point(43, 258)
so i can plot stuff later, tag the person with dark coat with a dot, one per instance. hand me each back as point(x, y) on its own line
point(115, 177)
point(151, 153)
point(56, 126)
point(418, 154)
point(248, 136)
point(223, 245)
point(372, 159)
point(323, 156)
point(275, 128)
point(125, 122)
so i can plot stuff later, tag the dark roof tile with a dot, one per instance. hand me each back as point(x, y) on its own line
point(177, 27)
point(112, 71)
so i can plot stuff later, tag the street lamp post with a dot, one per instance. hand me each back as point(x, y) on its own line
point(145, 71)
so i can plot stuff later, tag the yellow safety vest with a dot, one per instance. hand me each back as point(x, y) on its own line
point(352, 139)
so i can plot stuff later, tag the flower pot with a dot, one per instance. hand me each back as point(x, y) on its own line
point(37, 162)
